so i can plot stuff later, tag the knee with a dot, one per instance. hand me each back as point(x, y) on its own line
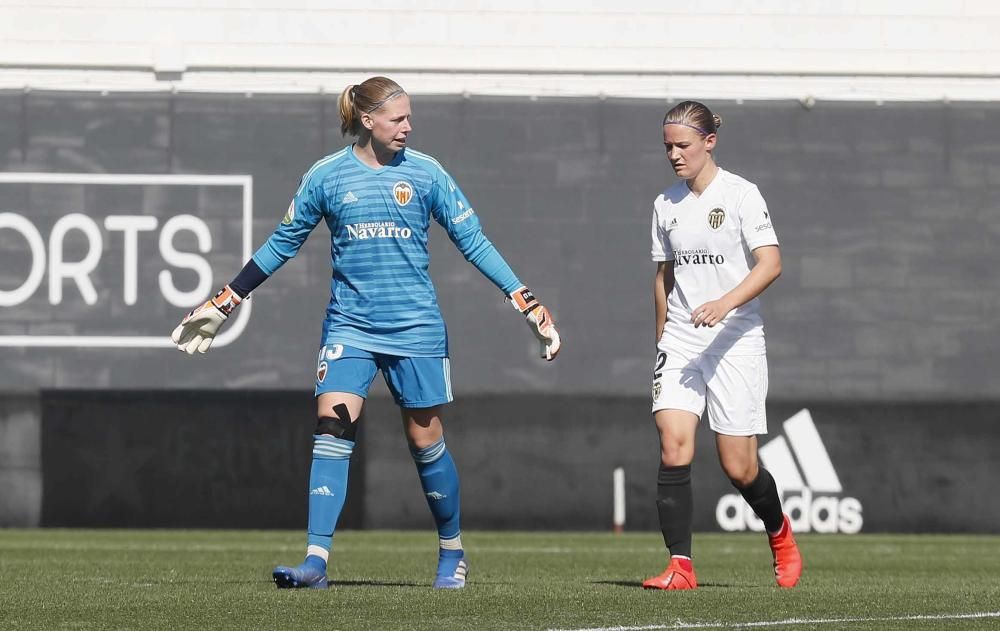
point(741, 476)
point(341, 425)
point(423, 431)
point(423, 441)
point(673, 460)
point(674, 453)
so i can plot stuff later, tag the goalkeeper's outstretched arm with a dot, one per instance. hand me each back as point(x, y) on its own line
point(453, 211)
point(198, 329)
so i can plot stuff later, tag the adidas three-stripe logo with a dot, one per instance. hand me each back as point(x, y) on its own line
point(812, 456)
point(806, 480)
point(322, 490)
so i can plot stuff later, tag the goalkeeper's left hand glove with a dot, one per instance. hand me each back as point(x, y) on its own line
point(540, 320)
point(197, 330)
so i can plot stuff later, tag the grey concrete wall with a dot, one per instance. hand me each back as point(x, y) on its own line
point(20, 461)
point(887, 217)
point(180, 460)
point(241, 460)
point(545, 462)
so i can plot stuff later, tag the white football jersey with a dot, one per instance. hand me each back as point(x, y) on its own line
point(710, 239)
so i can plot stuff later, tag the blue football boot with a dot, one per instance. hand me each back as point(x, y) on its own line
point(452, 570)
point(311, 574)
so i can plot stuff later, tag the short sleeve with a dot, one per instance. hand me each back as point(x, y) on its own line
point(661, 250)
point(755, 221)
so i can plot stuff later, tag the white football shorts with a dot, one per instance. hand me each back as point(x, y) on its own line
point(734, 387)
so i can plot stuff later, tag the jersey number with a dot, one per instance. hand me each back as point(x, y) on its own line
point(661, 360)
point(331, 352)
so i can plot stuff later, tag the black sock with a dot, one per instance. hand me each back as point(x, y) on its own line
point(762, 496)
point(675, 504)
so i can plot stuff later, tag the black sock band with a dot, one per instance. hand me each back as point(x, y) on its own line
point(675, 505)
point(762, 496)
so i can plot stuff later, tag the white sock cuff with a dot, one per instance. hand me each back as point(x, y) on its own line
point(452, 544)
point(318, 551)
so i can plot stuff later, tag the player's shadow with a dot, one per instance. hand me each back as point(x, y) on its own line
point(639, 584)
point(618, 583)
point(372, 583)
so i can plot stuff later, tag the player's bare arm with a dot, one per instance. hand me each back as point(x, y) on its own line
point(766, 269)
point(663, 284)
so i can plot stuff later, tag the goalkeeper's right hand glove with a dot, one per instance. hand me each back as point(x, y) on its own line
point(540, 320)
point(197, 330)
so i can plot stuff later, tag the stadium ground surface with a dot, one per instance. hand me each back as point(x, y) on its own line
point(128, 579)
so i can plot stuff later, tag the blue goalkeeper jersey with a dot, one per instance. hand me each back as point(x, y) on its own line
point(381, 296)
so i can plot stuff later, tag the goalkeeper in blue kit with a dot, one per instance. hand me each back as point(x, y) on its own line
point(377, 197)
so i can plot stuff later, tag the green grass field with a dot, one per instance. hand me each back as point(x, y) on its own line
point(72, 579)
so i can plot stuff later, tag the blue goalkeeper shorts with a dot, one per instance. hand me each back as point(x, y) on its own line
point(415, 382)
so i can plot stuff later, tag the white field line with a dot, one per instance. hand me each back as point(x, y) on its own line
point(792, 622)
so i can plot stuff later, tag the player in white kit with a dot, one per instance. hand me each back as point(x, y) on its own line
point(716, 250)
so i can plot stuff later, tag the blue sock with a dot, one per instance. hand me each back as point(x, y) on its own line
point(439, 477)
point(327, 492)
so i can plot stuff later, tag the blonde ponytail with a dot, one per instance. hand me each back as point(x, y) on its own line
point(346, 105)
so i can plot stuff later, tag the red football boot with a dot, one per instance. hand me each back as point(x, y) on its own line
point(787, 560)
point(678, 575)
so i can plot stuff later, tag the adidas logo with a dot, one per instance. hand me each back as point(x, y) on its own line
point(673, 224)
point(814, 503)
point(322, 490)
point(434, 495)
point(350, 198)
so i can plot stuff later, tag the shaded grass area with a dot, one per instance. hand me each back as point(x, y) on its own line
point(118, 579)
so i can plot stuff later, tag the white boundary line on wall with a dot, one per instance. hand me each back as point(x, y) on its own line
point(793, 622)
point(139, 341)
point(806, 88)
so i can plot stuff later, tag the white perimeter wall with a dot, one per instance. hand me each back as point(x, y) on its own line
point(878, 49)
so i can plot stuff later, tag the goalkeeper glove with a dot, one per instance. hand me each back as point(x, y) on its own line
point(197, 330)
point(539, 319)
